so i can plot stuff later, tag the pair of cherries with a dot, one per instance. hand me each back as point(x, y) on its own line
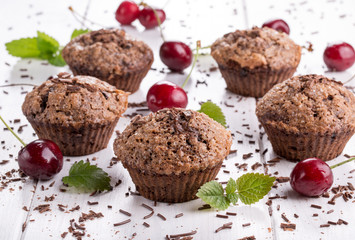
point(128, 11)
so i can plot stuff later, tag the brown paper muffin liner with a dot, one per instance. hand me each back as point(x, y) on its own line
point(253, 82)
point(129, 81)
point(306, 145)
point(76, 142)
point(171, 188)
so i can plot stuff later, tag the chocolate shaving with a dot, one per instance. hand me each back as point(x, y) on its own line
point(147, 207)
point(92, 203)
point(221, 216)
point(282, 179)
point(224, 226)
point(179, 215)
point(288, 226)
point(248, 238)
point(146, 224)
point(284, 217)
point(183, 234)
point(316, 206)
point(125, 212)
point(149, 215)
point(43, 208)
point(231, 213)
point(248, 155)
point(161, 216)
point(122, 223)
point(246, 225)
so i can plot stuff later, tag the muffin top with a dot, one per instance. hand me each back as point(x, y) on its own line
point(309, 103)
point(108, 51)
point(74, 101)
point(258, 47)
point(173, 141)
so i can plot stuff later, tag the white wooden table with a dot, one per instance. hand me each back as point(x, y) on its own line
point(316, 22)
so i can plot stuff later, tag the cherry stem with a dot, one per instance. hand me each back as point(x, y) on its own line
point(349, 80)
point(83, 19)
point(10, 129)
point(343, 162)
point(198, 46)
point(206, 47)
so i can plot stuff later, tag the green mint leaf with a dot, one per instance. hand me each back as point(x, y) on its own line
point(86, 177)
point(57, 60)
point(78, 32)
point(24, 48)
point(214, 112)
point(233, 197)
point(212, 193)
point(231, 186)
point(47, 45)
point(253, 186)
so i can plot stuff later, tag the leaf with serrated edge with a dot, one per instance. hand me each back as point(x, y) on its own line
point(212, 193)
point(24, 48)
point(78, 32)
point(233, 197)
point(214, 112)
point(86, 177)
point(253, 186)
point(46, 45)
point(231, 186)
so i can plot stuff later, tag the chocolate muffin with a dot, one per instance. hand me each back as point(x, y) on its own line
point(308, 116)
point(252, 61)
point(78, 113)
point(110, 56)
point(171, 153)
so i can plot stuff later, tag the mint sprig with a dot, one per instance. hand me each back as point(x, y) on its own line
point(249, 188)
point(43, 47)
point(214, 112)
point(86, 177)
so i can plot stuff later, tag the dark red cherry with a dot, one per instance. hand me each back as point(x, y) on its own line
point(166, 94)
point(176, 55)
point(40, 159)
point(127, 12)
point(148, 19)
point(339, 57)
point(311, 177)
point(279, 25)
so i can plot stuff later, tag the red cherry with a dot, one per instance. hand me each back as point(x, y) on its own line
point(311, 177)
point(165, 94)
point(176, 55)
point(40, 159)
point(339, 57)
point(148, 19)
point(279, 25)
point(127, 12)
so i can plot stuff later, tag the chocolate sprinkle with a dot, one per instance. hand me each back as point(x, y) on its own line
point(221, 216)
point(179, 215)
point(183, 234)
point(125, 212)
point(122, 223)
point(161, 216)
point(316, 206)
